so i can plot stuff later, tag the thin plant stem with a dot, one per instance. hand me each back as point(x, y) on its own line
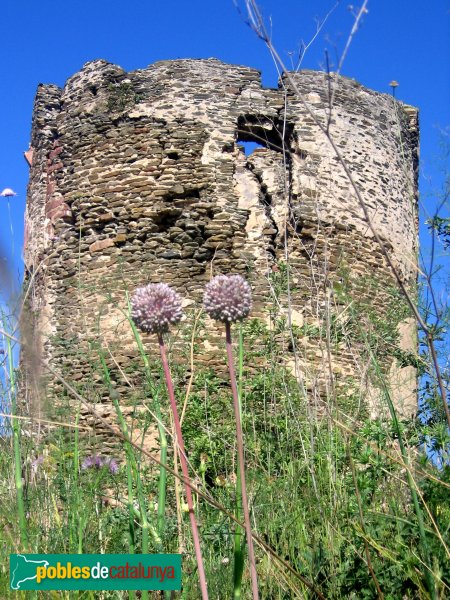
point(130, 503)
point(74, 530)
point(181, 548)
point(129, 460)
point(162, 483)
point(240, 448)
point(11, 227)
point(17, 451)
point(363, 526)
point(419, 514)
point(132, 465)
point(238, 569)
point(184, 468)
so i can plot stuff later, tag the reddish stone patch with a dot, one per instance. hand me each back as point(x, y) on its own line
point(55, 203)
point(28, 155)
point(61, 212)
point(55, 152)
point(55, 167)
point(100, 245)
point(51, 187)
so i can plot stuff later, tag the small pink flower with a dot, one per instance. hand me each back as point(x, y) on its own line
point(155, 307)
point(8, 192)
point(228, 298)
point(96, 461)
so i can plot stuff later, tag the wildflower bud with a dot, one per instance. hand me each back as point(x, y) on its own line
point(228, 298)
point(155, 307)
point(7, 192)
point(96, 461)
point(113, 466)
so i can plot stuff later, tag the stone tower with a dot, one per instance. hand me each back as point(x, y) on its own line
point(144, 177)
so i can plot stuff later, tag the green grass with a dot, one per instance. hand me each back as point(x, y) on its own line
point(329, 492)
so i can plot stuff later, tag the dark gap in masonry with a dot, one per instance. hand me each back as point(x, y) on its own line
point(258, 131)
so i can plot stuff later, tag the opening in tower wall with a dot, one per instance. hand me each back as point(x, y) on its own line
point(259, 131)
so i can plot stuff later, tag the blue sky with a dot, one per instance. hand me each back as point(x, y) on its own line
point(46, 42)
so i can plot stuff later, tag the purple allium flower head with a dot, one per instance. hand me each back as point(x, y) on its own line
point(96, 461)
point(155, 307)
point(228, 298)
point(8, 192)
point(113, 466)
point(88, 462)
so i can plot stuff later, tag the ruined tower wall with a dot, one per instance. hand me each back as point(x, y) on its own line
point(139, 177)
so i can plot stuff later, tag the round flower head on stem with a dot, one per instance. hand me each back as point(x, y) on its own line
point(96, 461)
point(7, 193)
point(155, 307)
point(228, 298)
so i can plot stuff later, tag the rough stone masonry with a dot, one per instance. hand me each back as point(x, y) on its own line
point(146, 176)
